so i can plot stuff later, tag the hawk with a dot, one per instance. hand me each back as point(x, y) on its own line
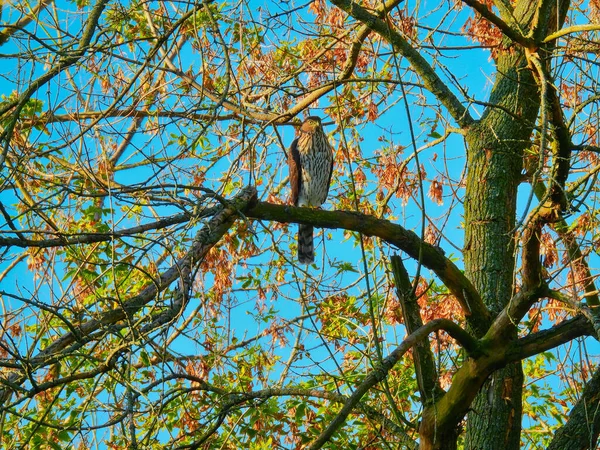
point(311, 162)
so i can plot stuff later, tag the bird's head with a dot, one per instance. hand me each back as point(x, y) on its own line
point(311, 124)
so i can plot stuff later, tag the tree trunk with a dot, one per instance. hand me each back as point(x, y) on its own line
point(495, 160)
point(496, 412)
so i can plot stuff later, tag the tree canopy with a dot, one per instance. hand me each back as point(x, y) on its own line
point(150, 290)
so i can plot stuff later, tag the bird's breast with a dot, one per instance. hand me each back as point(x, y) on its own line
point(315, 160)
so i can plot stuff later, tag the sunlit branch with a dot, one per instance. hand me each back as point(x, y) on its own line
point(543, 211)
point(573, 29)
point(562, 144)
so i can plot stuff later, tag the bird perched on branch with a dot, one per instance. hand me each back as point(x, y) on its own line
point(311, 162)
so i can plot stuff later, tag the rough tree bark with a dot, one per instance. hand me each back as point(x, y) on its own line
point(495, 160)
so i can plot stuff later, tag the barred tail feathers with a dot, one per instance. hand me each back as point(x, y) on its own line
point(306, 250)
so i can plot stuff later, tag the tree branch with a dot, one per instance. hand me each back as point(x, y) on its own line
point(505, 324)
point(506, 29)
point(206, 238)
point(573, 29)
point(307, 100)
point(405, 240)
point(9, 30)
point(548, 339)
point(560, 226)
point(549, 17)
point(427, 377)
point(430, 78)
point(590, 310)
point(63, 63)
point(381, 371)
point(68, 239)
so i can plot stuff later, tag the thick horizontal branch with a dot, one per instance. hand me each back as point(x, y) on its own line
point(399, 237)
point(548, 339)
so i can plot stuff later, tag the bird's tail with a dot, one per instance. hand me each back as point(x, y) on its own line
point(306, 250)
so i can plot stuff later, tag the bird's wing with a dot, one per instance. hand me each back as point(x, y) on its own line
point(330, 170)
point(295, 171)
